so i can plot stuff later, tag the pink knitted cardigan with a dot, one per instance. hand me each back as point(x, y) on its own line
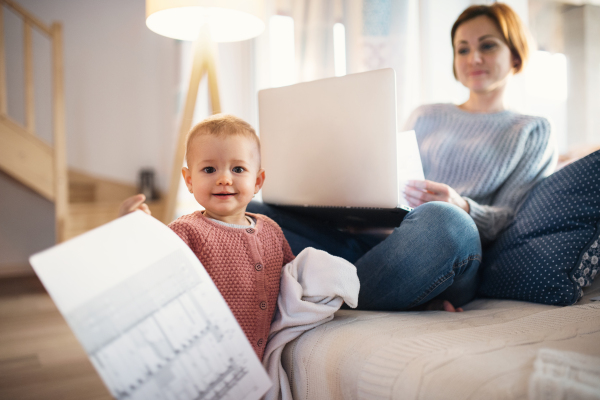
point(245, 265)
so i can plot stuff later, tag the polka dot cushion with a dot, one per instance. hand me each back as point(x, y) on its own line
point(551, 249)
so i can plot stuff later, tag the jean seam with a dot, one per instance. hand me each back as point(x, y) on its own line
point(444, 278)
point(466, 260)
point(431, 288)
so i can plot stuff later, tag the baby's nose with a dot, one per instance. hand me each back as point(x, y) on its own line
point(224, 179)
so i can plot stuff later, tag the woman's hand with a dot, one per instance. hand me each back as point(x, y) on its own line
point(420, 192)
point(134, 203)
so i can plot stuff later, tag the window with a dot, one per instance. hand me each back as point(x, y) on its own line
point(547, 76)
point(339, 49)
point(281, 38)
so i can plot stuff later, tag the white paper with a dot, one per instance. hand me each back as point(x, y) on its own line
point(409, 162)
point(147, 313)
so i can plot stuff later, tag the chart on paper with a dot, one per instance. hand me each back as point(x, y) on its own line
point(157, 331)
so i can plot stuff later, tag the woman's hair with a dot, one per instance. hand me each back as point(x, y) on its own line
point(509, 24)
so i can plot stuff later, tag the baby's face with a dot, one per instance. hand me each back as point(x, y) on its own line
point(224, 174)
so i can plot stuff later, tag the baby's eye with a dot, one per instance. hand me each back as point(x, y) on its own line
point(238, 170)
point(209, 170)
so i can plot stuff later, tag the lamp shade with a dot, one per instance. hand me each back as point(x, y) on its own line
point(228, 20)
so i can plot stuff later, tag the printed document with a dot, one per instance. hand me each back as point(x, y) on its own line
point(148, 315)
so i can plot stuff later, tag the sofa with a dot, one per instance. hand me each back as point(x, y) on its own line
point(486, 352)
point(533, 331)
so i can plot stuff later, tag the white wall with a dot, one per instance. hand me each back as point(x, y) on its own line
point(437, 79)
point(582, 46)
point(120, 87)
point(26, 225)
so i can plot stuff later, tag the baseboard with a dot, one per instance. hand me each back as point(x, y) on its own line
point(15, 270)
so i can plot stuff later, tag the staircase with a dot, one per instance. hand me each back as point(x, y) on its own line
point(95, 201)
point(82, 202)
point(23, 155)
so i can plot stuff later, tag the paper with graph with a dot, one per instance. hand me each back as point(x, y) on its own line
point(150, 318)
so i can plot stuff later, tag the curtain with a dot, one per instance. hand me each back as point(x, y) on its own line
point(379, 34)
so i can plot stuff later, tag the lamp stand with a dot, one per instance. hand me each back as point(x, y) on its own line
point(204, 63)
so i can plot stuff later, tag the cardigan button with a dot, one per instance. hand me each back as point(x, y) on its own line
point(260, 342)
point(258, 267)
point(250, 230)
point(263, 305)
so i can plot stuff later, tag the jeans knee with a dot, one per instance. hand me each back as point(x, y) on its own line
point(452, 225)
point(439, 211)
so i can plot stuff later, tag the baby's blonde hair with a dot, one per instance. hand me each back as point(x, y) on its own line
point(221, 125)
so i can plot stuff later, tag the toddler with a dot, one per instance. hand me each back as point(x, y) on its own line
point(242, 252)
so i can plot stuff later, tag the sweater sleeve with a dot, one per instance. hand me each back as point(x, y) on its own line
point(537, 159)
point(186, 232)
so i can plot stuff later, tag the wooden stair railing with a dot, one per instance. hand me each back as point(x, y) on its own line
point(41, 167)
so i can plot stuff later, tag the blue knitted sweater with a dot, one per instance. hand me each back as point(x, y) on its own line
point(492, 160)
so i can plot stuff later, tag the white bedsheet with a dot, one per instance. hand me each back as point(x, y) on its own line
point(313, 287)
point(486, 352)
point(564, 375)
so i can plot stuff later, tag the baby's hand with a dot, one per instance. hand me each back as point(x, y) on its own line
point(134, 203)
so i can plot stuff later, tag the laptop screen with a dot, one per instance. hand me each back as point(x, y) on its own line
point(331, 142)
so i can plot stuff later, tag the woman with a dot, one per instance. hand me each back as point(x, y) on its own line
point(478, 157)
point(489, 155)
point(479, 160)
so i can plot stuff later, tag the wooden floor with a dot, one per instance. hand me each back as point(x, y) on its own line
point(40, 358)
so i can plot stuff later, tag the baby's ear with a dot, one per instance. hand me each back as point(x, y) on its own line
point(260, 180)
point(187, 177)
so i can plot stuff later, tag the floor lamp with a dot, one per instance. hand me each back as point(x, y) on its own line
point(205, 22)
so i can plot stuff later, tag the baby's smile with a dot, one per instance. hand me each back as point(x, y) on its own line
point(223, 194)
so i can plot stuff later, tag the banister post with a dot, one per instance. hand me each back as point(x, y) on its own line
point(28, 68)
point(3, 106)
point(60, 154)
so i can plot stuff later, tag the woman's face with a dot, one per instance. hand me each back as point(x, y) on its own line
point(482, 59)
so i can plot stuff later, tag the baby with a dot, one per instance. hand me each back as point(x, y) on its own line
point(242, 252)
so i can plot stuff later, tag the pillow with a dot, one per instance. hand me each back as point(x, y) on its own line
point(551, 249)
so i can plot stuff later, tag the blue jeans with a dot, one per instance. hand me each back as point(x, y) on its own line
point(435, 252)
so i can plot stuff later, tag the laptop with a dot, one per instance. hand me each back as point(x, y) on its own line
point(331, 150)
